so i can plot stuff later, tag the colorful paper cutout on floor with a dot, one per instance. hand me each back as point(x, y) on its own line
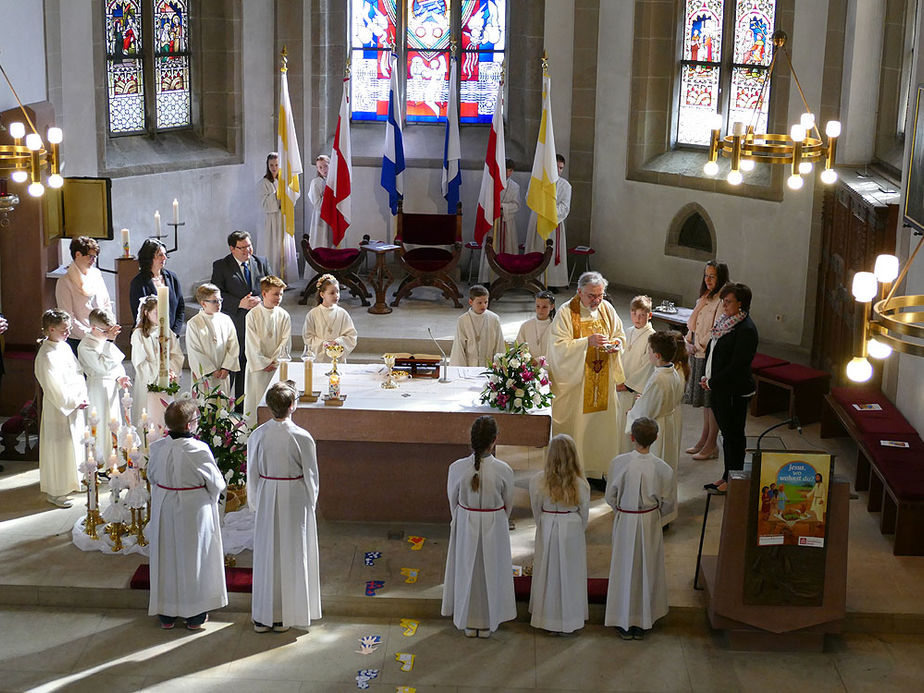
point(364, 676)
point(410, 574)
point(416, 542)
point(372, 586)
point(369, 644)
point(405, 689)
point(369, 558)
point(410, 626)
point(406, 659)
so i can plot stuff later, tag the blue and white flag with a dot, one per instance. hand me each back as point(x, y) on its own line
point(451, 184)
point(393, 158)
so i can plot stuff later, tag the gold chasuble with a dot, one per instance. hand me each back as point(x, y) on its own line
point(597, 362)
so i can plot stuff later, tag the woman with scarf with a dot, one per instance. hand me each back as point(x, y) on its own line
point(728, 375)
point(82, 289)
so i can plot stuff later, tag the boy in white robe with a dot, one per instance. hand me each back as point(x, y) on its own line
point(211, 342)
point(478, 582)
point(557, 273)
point(661, 401)
point(507, 240)
point(63, 418)
point(187, 559)
point(479, 334)
point(535, 331)
point(269, 332)
point(282, 489)
point(101, 360)
point(635, 362)
point(638, 485)
point(328, 322)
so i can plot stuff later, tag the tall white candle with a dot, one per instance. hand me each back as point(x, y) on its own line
point(176, 211)
point(163, 313)
point(157, 223)
point(126, 243)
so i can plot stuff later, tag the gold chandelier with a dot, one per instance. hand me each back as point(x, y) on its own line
point(800, 149)
point(27, 160)
point(893, 323)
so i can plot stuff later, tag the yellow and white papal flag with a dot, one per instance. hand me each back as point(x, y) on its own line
point(290, 160)
point(540, 197)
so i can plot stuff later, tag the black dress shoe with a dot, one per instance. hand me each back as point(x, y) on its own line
point(597, 484)
point(714, 489)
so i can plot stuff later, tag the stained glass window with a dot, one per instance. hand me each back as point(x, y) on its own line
point(725, 79)
point(480, 30)
point(147, 64)
point(372, 30)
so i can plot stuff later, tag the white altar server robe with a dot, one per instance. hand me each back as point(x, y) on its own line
point(280, 244)
point(558, 598)
point(282, 489)
point(187, 560)
point(535, 333)
point(556, 274)
point(661, 401)
point(63, 423)
point(478, 338)
point(211, 343)
point(509, 241)
point(637, 591)
point(269, 332)
point(334, 324)
point(101, 360)
point(146, 360)
point(318, 231)
point(638, 368)
point(595, 434)
point(478, 584)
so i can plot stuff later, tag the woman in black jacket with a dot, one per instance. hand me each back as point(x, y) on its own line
point(728, 374)
point(151, 259)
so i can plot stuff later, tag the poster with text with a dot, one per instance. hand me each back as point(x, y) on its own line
point(794, 491)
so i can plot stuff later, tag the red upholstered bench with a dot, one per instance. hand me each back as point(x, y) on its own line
point(762, 361)
point(799, 389)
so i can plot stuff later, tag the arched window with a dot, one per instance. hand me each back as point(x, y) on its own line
point(147, 66)
point(725, 60)
point(423, 45)
point(691, 234)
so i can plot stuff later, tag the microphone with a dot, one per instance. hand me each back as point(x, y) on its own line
point(443, 353)
point(444, 375)
point(794, 421)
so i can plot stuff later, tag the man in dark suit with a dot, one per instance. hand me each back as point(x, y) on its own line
point(238, 275)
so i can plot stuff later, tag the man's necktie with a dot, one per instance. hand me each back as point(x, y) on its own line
point(246, 266)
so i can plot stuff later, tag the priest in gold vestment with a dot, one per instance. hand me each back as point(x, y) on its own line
point(585, 362)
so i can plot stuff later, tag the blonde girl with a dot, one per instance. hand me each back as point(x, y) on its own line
point(146, 360)
point(328, 322)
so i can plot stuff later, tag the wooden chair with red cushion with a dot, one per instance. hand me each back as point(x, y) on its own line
point(430, 248)
point(340, 262)
point(516, 271)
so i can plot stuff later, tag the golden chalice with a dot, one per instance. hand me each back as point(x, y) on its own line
point(334, 351)
point(389, 383)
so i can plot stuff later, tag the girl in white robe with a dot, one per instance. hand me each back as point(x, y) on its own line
point(328, 322)
point(635, 362)
point(661, 401)
point(318, 231)
point(535, 331)
point(282, 489)
point(101, 360)
point(268, 339)
point(64, 403)
point(638, 486)
point(211, 342)
point(281, 245)
point(478, 583)
point(560, 498)
point(187, 559)
point(146, 360)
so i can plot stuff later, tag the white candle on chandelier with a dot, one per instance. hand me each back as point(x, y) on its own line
point(157, 223)
point(176, 211)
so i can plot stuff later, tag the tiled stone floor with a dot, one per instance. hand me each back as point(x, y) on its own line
point(68, 621)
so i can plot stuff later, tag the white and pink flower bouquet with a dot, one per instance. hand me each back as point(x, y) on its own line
point(517, 383)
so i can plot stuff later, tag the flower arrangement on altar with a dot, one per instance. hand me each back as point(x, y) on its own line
point(224, 430)
point(517, 383)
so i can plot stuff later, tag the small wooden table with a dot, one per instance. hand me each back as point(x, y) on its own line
point(676, 320)
point(380, 277)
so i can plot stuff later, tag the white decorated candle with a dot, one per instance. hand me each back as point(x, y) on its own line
point(126, 243)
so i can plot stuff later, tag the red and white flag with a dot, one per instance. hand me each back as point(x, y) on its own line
point(336, 208)
point(494, 178)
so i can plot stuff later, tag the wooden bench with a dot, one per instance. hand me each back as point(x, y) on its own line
point(893, 476)
point(798, 389)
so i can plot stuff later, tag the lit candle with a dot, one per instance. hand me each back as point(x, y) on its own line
point(126, 243)
point(144, 417)
point(157, 223)
point(309, 386)
point(113, 461)
point(176, 211)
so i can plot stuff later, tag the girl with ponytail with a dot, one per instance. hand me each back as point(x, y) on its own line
point(478, 584)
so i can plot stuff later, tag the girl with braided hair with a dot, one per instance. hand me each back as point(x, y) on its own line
point(478, 584)
point(328, 322)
